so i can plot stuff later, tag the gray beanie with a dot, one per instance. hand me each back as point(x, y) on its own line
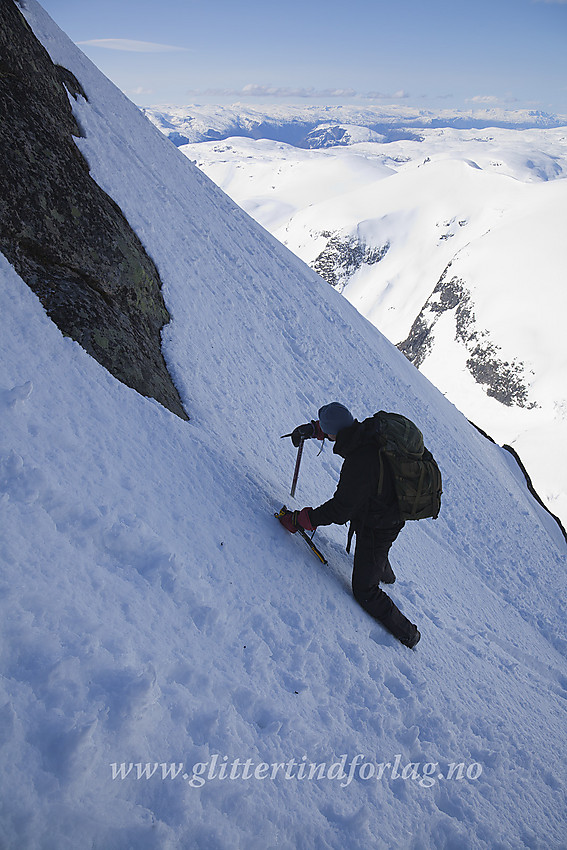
point(334, 417)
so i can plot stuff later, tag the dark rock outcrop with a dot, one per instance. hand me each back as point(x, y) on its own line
point(344, 255)
point(65, 237)
point(527, 478)
point(501, 379)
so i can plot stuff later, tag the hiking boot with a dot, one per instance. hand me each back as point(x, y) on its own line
point(413, 638)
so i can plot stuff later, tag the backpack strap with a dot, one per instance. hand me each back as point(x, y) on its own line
point(381, 474)
point(418, 489)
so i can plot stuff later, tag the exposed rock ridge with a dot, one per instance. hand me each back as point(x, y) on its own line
point(65, 237)
point(504, 380)
point(344, 255)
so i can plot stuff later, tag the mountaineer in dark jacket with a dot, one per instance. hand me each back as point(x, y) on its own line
point(374, 518)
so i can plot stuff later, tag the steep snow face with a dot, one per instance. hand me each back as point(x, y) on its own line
point(154, 613)
point(420, 236)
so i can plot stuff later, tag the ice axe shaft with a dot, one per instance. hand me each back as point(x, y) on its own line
point(296, 470)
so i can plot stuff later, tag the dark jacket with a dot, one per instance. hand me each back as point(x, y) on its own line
point(356, 497)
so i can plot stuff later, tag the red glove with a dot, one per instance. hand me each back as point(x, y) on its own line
point(292, 520)
point(318, 431)
point(306, 432)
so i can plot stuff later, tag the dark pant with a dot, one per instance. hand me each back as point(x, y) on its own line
point(370, 565)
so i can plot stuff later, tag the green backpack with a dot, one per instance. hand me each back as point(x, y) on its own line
point(417, 478)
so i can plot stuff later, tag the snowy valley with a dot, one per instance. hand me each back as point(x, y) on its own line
point(177, 670)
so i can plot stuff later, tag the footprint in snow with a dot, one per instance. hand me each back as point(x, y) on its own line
point(397, 688)
point(12, 397)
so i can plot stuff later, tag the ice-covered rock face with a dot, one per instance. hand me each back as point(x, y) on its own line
point(331, 135)
point(503, 380)
point(67, 239)
point(344, 255)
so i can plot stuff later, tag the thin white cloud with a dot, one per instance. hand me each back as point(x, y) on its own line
point(130, 45)
point(257, 90)
point(377, 95)
point(484, 98)
point(492, 99)
point(559, 2)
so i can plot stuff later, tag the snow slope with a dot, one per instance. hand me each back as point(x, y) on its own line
point(153, 611)
point(384, 221)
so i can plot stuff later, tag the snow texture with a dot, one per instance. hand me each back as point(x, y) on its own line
point(154, 613)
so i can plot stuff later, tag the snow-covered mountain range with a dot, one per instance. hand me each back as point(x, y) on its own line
point(448, 240)
point(179, 672)
point(302, 125)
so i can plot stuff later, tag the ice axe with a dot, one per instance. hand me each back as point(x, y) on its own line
point(305, 536)
point(297, 464)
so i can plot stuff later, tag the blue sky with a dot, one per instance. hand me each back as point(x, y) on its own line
point(435, 54)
